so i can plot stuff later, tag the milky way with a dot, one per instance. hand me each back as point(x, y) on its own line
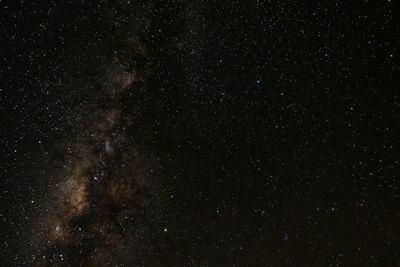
point(108, 179)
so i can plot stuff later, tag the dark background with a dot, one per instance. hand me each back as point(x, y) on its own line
point(276, 123)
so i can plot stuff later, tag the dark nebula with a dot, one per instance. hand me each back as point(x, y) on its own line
point(199, 133)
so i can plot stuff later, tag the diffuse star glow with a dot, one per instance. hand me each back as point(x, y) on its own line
point(106, 180)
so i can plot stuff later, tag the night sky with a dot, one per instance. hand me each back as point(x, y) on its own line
point(199, 133)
